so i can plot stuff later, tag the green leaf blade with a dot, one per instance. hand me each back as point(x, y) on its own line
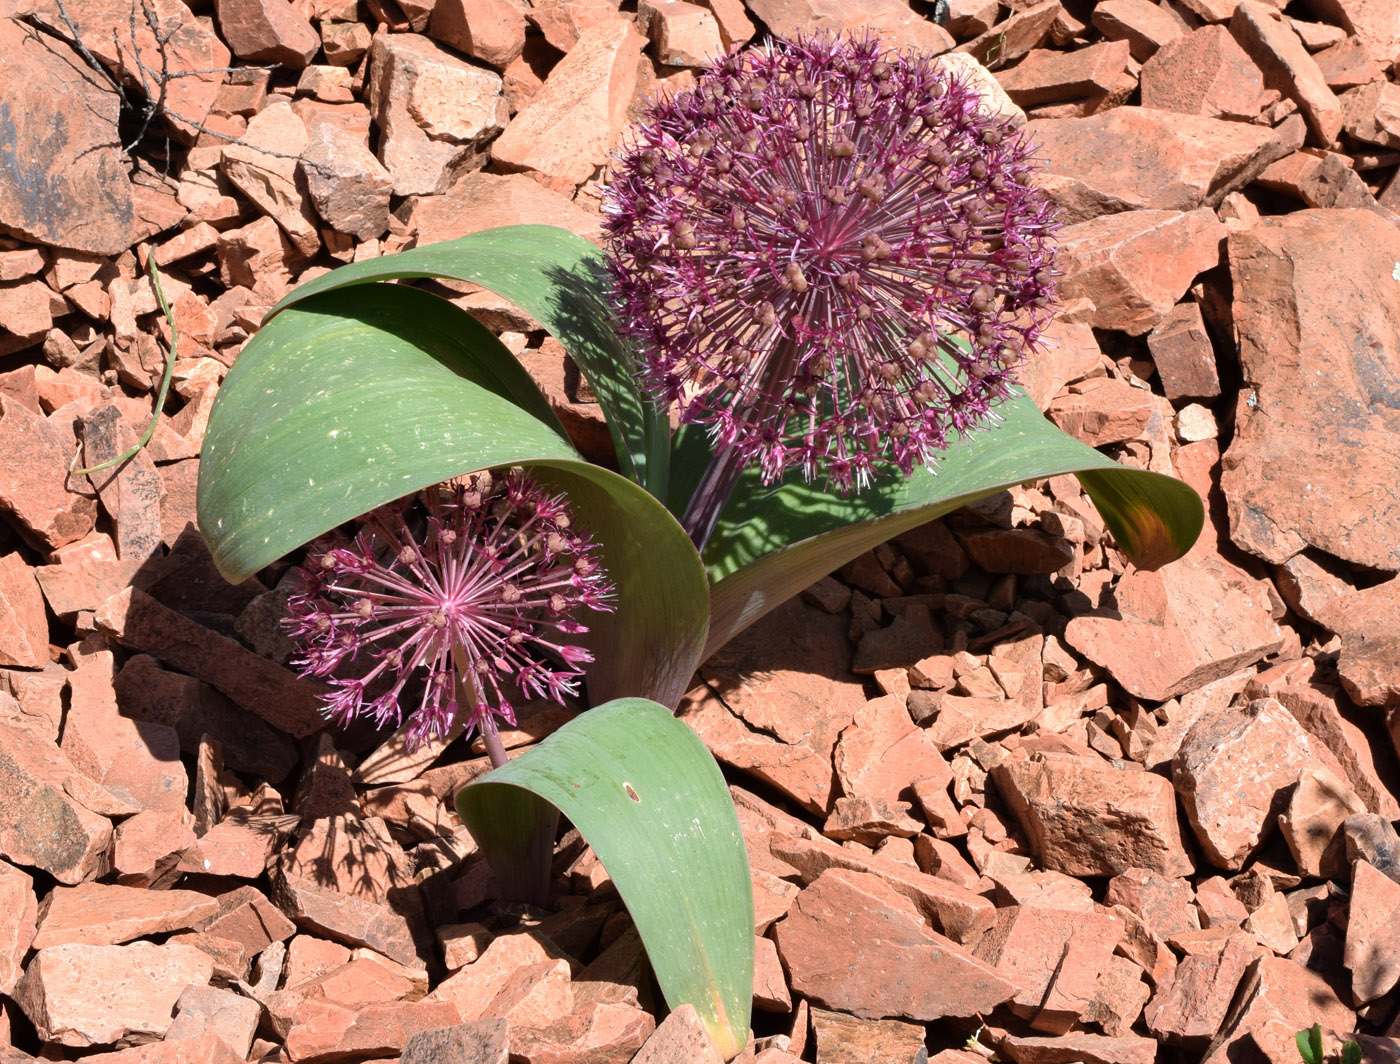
point(772, 542)
point(341, 406)
point(647, 795)
point(561, 280)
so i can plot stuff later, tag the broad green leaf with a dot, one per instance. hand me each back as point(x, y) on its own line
point(356, 397)
point(773, 542)
point(646, 794)
point(351, 400)
point(561, 280)
point(651, 644)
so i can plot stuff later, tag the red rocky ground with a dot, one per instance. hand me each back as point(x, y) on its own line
point(991, 778)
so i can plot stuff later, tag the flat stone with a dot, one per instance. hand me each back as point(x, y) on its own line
point(103, 914)
point(1015, 36)
point(883, 753)
point(41, 826)
point(1166, 905)
point(1204, 72)
point(1183, 354)
point(146, 845)
point(1307, 311)
point(24, 625)
point(270, 180)
point(1054, 960)
point(481, 1042)
point(685, 34)
point(267, 31)
point(567, 129)
point(347, 185)
point(137, 761)
point(853, 944)
point(1047, 76)
point(478, 201)
point(1367, 621)
point(1349, 64)
point(1373, 933)
point(146, 692)
point(1181, 627)
point(432, 109)
point(1145, 26)
point(17, 924)
point(1288, 67)
point(1189, 1009)
point(1311, 827)
point(1232, 773)
point(843, 1039)
point(601, 1030)
point(1328, 181)
point(204, 1049)
point(1100, 412)
point(1272, 994)
point(1375, 22)
point(490, 30)
point(954, 910)
point(170, 38)
point(1081, 1047)
point(1181, 162)
point(890, 20)
point(34, 482)
point(785, 697)
point(80, 995)
point(1025, 551)
point(1086, 818)
point(202, 1011)
point(65, 182)
point(1372, 113)
point(140, 623)
point(325, 1032)
point(1317, 707)
point(1134, 267)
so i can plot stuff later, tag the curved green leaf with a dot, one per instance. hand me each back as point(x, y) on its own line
point(560, 279)
point(651, 644)
point(646, 794)
point(348, 402)
point(773, 542)
point(357, 397)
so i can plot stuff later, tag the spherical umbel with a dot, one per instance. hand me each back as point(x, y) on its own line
point(831, 254)
point(476, 592)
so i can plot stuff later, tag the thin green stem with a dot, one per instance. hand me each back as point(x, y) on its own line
point(131, 452)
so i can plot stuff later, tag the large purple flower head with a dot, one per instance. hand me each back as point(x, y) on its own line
point(831, 253)
point(477, 586)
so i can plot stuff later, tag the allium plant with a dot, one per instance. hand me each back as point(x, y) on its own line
point(832, 255)
point(828, 256)
point(475, 596)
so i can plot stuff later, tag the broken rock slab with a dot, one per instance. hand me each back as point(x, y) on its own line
point(70, 188)
point(1179, 161)
point(140, 623)
point(1233, 772)
point(1369, 623)
point(1316, 453)
point(107, 914)
point(80, 995)
point(1183, 626)
point(852, 943)
point(1085, 817)
point(41, 825)
point(431, 108)
point(1133, 267)
point(570, 125)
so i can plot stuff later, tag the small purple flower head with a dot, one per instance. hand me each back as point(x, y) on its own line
point(478, 587)
point(831, 254)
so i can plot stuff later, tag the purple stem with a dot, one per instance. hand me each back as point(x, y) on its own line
point(711, 495)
